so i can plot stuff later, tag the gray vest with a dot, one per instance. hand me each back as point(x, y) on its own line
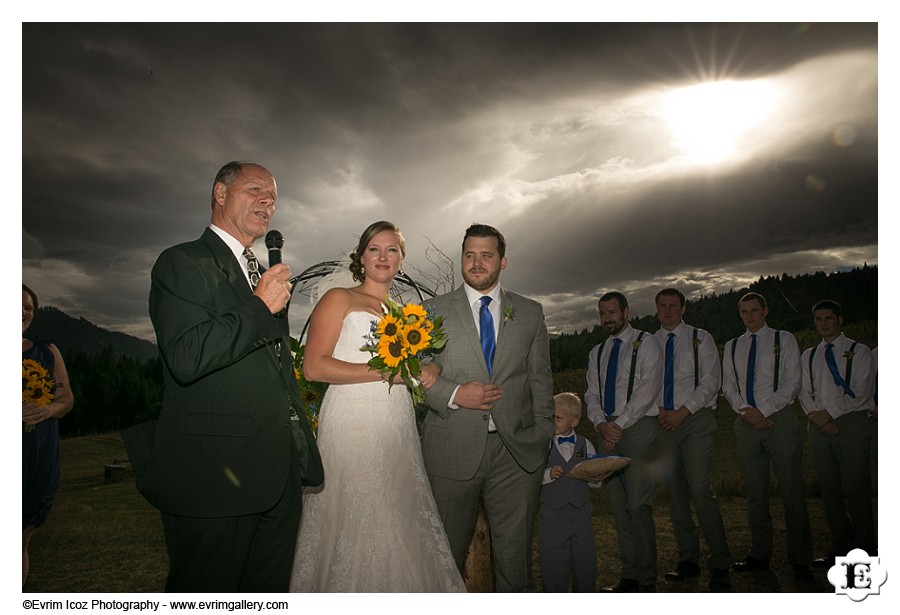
point(566, 490)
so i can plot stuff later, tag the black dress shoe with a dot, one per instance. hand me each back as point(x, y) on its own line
point(803, 573)
point(684, 570)
point(719, 579)
point(826, 561)
point(647, 589)
point(750, 564)
point(625, 586)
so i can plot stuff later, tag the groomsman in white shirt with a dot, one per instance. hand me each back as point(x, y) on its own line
point(623, 379)
point(760, 378)
point(836, 394)
point(691, 379)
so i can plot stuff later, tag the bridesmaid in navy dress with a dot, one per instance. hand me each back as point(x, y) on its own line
point(40, 431)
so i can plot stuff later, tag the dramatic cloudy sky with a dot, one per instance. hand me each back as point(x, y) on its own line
point(612, 156)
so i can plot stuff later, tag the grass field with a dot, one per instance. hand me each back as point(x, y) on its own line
point(104, 537)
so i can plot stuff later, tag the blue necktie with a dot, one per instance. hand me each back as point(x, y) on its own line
point(612, 368)
point(669, 379)
point(571, 439)
point(832, 367)
point(487, 333)
point(751, 372)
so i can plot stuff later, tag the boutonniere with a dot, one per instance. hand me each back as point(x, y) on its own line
point(579, 454)
point(848, 354)
point(509, 313)
point(697, 342)
point(776, 349)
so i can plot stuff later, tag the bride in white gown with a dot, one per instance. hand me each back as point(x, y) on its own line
point(374, 526)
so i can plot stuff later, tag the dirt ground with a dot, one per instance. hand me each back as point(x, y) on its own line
point(115, 537)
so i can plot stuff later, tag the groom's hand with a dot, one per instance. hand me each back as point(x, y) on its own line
point(429, 374)
point(477, 396)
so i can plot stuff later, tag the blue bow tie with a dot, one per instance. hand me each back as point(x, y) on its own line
point(570, 439)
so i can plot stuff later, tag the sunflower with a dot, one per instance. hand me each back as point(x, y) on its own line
point(414, 313)
point(309, 396)
point(400, 339)
point(37, 386)
point(393, 351)
point(389, 328)
point(31, 368)
point(417, 337)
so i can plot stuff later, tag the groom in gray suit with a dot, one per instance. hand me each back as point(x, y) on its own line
point(490, 424)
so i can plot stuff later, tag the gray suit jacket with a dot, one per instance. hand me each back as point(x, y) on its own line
point(453, 441)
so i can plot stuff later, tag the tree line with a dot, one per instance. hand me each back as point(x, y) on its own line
point(114, 390)
point(790, 300)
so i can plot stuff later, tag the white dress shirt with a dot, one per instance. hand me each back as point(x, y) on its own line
point(829, 396)
point(768, 400)
point(474, 298)
point(647, 379)
point(494, 307)
point(709, 369)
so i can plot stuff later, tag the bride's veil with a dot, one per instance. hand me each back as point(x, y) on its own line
point(340, 277)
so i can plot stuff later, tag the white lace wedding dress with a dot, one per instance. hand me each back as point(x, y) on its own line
point(374, 527)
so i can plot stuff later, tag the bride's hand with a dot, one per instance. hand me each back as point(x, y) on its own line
point(429, 374)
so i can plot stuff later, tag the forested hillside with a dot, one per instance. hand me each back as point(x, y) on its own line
point(117, 379)
point(790, 300)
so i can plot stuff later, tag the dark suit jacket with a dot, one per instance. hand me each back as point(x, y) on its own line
point(223, 444)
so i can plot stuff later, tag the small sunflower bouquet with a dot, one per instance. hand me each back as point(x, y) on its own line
point(311, 393)
point(37, 385)
point(400, 340)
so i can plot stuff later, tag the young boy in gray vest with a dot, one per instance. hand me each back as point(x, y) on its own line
point(565, 535)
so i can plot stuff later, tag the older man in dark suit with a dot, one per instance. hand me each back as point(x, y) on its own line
point(491, 422)
point(226, 466)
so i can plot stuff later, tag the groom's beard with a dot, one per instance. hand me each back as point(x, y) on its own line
point(613, 327)
point(482, 284)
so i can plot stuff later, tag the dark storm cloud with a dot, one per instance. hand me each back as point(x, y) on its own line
point(690, 222)
point(542, 129)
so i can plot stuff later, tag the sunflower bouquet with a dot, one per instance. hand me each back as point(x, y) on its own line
point(400, 340)
point(311, 393)
point(37, 385)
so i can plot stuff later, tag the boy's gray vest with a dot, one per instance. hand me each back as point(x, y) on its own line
point(566, 490)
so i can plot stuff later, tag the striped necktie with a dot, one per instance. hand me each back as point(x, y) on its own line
point(252, 267)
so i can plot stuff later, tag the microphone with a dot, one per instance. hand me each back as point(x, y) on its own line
point(274, 242)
